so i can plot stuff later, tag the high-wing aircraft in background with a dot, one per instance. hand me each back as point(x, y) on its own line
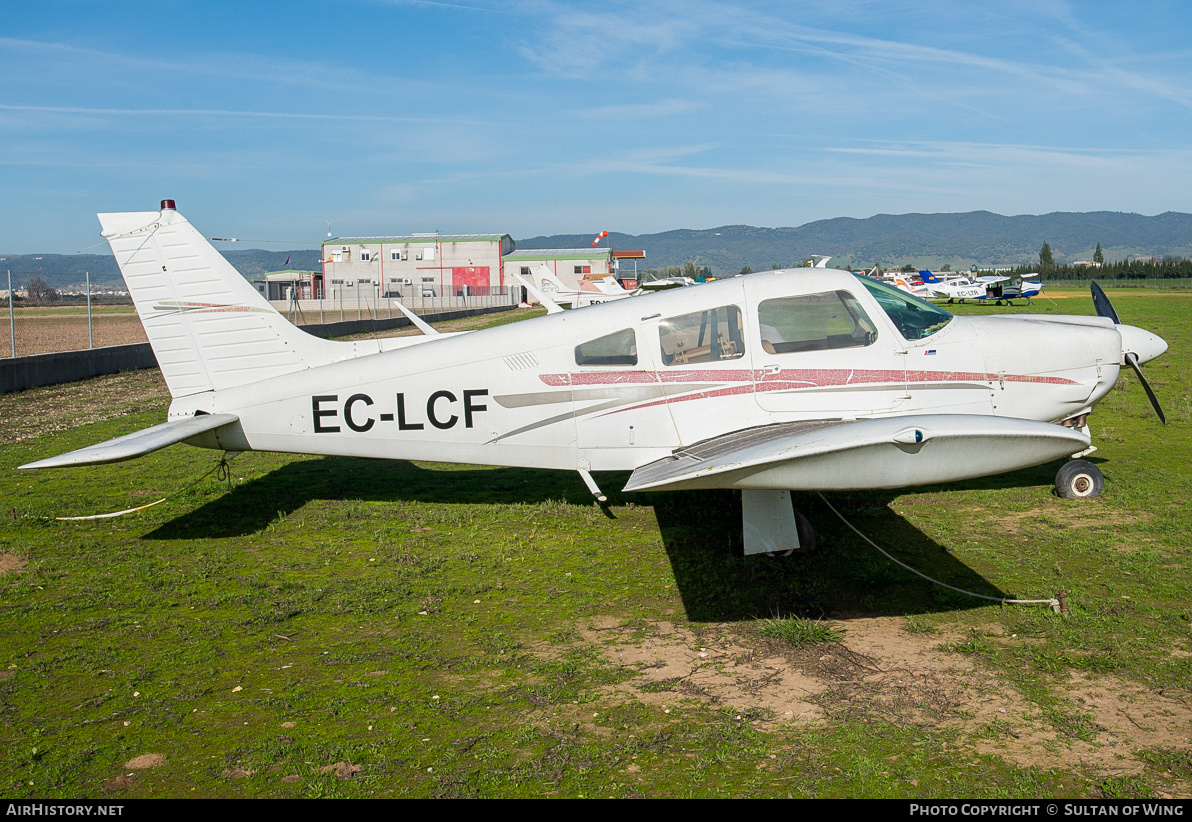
point(995, 287)
point(797, 379)
point(1008, 289)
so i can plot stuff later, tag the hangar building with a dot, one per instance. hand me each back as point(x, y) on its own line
point(437, 265)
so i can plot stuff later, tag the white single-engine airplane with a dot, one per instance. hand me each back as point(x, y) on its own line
point(589, 291)
point(1017, 288)
point(953, 287)
point(988, 287)
point(797, 379)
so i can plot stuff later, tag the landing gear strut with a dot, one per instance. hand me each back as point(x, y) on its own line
point(770, 525)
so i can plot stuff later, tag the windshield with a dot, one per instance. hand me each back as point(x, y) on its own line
point(913, 317)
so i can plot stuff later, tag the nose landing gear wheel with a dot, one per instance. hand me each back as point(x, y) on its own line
point(1079, 479)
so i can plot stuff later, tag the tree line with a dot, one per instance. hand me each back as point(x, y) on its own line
point(1167, 268)
point(1150, 269)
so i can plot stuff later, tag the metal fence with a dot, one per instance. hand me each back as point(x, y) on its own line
point(361, 305)
point(73, 330)
point(8, 346)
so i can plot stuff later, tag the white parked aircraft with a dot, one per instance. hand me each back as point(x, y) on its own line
point(1009, 289)
point(987, 287)
point(953, 287)
point(664, 283)
point(590, 291)
point(901, 282)
point(796, 379)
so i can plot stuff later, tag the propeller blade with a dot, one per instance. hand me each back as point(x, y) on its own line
point(1105, 309)
point(1132, 359)
point(1103, 305)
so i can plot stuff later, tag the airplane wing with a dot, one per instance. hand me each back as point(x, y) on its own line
point(138, 443)
point(992, 279)
point(850, 455)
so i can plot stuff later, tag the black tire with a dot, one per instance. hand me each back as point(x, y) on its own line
point(1079, 479)
point(806, 534)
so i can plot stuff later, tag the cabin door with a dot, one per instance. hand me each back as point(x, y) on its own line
point(819, 355)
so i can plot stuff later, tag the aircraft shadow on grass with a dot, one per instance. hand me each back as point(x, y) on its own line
point(700, 532)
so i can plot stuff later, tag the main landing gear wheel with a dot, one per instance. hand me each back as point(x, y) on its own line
point(806, 538)
point(1079, 479)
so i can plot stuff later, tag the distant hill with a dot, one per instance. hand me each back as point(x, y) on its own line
point(60, 270)
point(923, 240)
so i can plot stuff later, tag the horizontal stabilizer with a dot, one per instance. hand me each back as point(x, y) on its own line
point(139, 443)
point(838, 455)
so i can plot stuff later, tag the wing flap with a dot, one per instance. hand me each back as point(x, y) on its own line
point(138, 443)
point(838, 455)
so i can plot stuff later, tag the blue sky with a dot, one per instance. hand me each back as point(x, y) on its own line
point(267, 120)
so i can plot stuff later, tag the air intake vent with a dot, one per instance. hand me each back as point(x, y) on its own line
point(520, 362)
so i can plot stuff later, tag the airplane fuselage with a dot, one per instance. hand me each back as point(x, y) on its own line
point(619, 385)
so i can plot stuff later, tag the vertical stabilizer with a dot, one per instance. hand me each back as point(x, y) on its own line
point(208, 326)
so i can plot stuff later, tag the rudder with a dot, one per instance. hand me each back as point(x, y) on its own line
point(209, 328)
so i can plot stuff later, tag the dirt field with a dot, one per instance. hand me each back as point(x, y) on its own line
point(40, 331)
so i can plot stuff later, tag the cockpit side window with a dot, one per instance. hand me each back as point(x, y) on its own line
point(618, 348)
point(713, 335)
point(814, 322)
point(914, 318)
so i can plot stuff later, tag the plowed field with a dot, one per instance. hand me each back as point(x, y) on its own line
point(40, 331)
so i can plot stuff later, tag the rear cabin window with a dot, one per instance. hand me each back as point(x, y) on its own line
point(714, 335)
point(814, 322)
point(612, 349)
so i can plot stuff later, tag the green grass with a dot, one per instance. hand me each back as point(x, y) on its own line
point(470, 631)
point(797, 631)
